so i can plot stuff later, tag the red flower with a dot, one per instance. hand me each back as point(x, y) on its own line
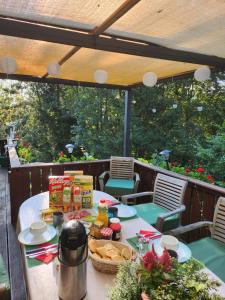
point(210, 178)
point(61, 154)
point(165, 260)
point(174, 164)
point(25, 145)
point(187, 170)
point(151, 260)
point(200, 170)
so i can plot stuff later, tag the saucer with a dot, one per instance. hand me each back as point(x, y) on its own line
point(125, 211)
point(27, 238)
point(183, 252)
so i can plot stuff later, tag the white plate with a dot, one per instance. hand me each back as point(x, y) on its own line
point(27, 238)
point(125, 211)
point(183, 252)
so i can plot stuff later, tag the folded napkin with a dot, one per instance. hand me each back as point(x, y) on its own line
point(46, 257)
point(134, 240)
point(148, 235)
point(111, 203)
point(42, 258)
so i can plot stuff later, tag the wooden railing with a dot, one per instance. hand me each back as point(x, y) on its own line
point(31, 179)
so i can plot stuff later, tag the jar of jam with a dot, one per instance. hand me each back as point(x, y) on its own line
point(114, 220)
point(116, 228)
point(96, 228)
point(106, 233)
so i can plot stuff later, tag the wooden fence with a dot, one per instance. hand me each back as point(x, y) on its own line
point(28, 180)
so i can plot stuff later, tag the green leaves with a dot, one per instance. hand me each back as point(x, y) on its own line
point(185, 281)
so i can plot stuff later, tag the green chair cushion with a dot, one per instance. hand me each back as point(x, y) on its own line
point(4, 282)
point(119, 187)
point(150, 212)
point(212, 253)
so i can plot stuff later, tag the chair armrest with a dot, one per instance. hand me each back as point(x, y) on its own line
point(162, 217)
point(190, 227)
point(101, 179)
point(133, 196)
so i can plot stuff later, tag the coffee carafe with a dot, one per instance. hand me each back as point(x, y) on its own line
point(73, 251)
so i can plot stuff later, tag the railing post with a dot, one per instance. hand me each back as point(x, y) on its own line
point(127, 114)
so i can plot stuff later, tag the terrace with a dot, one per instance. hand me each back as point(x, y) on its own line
point(104, 35)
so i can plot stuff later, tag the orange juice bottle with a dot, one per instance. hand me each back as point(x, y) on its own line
point(66, 198)
point(77, 198)
point(103, 213)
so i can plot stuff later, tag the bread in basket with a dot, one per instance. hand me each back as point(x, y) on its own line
point(107, 255)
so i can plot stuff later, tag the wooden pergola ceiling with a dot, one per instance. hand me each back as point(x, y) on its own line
point(126, 38)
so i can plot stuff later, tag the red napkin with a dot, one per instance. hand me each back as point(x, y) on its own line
point(150, 234)
point(110, 202)
point(46, 257)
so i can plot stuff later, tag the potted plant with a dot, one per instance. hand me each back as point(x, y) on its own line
point(162, 277)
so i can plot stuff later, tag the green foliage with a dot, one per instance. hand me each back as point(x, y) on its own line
point(50, 120)
point(184, 281)
point(181, 129)
point(25, 154)
point(50, 116)
point(212, 155)
point(14, 106)
point(99, 128)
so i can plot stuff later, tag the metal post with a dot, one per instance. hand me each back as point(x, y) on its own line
point(127, 113)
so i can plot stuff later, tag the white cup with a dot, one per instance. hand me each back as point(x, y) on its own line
point(37, 228)
point(169, 242)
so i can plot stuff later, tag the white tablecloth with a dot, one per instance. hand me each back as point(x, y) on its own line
point(41, 280)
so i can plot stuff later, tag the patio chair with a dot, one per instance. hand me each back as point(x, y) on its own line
point(164, 212)
point(209, 250)
point(121, 178)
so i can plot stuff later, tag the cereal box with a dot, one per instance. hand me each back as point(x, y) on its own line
point(73, 172)
point(56, 188)
point(85, 183)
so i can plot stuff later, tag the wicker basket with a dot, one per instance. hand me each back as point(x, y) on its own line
point(107, 266)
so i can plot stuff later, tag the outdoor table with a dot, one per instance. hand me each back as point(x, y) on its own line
point(41, 280)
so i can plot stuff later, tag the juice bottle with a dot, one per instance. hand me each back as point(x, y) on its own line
point(77, 198)
point(103, 213)
point(66, 198)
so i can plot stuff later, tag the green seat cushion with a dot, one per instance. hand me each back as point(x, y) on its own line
point(212, 253)
point(4, 282)
point(150, 212)
point(119, 187)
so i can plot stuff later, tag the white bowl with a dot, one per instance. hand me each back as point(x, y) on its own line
point(169, 242)
point(37, 228)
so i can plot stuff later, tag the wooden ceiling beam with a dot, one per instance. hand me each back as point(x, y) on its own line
point(74, 38)
point(51, 80)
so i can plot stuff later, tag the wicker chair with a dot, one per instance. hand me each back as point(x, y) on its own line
point(164, 211)
point(121, 178)
point(209, 250)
